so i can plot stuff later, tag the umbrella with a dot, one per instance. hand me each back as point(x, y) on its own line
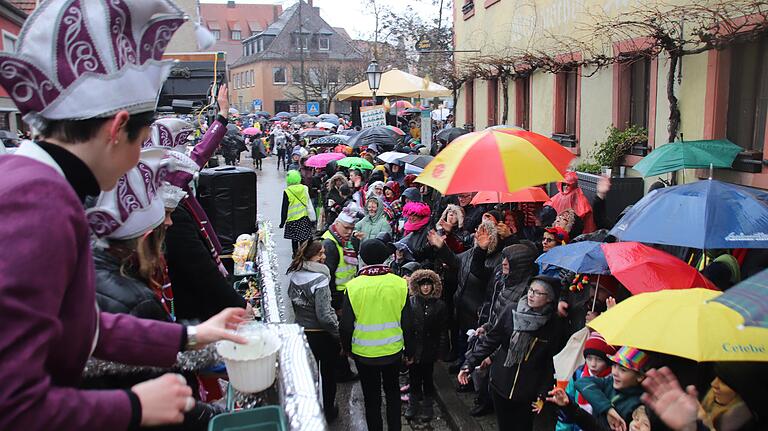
point(391, 156)
point(325, 125)
point(420, 161)
point(232, 129)
point(688, 323)
point(440, 114)
point(706, 214)
point(687, 155)
point(283, 114)
point(500, 160)
point(7, 134)
point(233, 111)
point(585, 257)
point(411, 169)
point(374, 135)
point(264, 114)
point(451, 133)
point(314, 133)
point(320, 160)
point(349, 132)
point(503, 127)
point(750, 299)
point(355, 163)
point(251, 131)
point(528, 194)
point(413, 111)
point(641, 268)
point(402, 104)
point(396, 83)
point(329, 118)
point(395, 129)
point(329, 141)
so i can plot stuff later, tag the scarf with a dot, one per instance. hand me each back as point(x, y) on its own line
point(374, 270)
point(583, 403)
point(350, 255)
point(526, 320)
point(413, 227)
point(320, 268)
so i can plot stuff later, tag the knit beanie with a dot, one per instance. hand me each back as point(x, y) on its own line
point(412, 194)
point(597, 346)
point(375, 251)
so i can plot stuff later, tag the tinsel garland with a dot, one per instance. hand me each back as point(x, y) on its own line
point(193, 360)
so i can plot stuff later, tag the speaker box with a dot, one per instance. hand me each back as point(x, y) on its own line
point(228, 196)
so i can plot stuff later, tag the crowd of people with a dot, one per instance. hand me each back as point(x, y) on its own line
point(403, 277)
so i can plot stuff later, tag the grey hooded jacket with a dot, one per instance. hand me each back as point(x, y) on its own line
point(311, 298)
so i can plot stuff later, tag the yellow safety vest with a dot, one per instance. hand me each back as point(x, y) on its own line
point(344, 272)
point(297, 204)
point(378, 303)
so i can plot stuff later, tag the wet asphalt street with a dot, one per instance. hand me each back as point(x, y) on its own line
point(350, 397)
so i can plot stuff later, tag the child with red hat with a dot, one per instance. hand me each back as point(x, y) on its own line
point(596, 352)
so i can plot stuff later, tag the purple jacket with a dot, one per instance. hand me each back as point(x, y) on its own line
point(48, 315)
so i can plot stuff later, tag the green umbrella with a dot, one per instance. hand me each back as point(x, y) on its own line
point(355, 163)
point(688, 155)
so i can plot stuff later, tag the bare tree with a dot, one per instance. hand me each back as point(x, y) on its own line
point(325, 77)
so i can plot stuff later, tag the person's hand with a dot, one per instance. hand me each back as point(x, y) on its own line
point(220, 326)
point(359, 235)
point(435, 239)
point(223, 100)
point(603, 187)
point(463, 376)
point(559, 397)
point(615, 421)
point(482, 238)
point(164, 400)
point(562, 309)
point(640, 421)
point(408, 361)
point(479, 331)
point(537, 406)
point(610, 302)
point(504, 230)
point(486, 363)
point(591, 315)
point(445, 225)
point(678, 409)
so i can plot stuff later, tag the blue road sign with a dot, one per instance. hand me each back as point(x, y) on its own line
point(313, 108)
point(256, 104)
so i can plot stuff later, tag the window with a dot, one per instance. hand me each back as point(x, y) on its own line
point(278, 75)
point(261, 45)
point(748, 95)
point(469, 108)
point(216, 34)
point(570, 102)
point(324, 43)
point(314, 75)
point(236, 35)
point(9, 42)
point(333, 75)
point(565, 124)
point(296, 75)
point(493, 102)
point(299, 41)
point(640, 89)
point(523, 103)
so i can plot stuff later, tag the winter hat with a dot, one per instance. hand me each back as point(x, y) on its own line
point(412, 194)
point(409, 179)
point(423, 276)
point(375, 251)
point(394, 186)
point(459, 211)
point(560, 234)
point(597, 346)
point(293, 177)
point(349, 214)
point(496, 215)
point(630, 357)
point(409, 268)
point(416, 208)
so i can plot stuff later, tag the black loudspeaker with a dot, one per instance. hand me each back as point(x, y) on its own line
point(228, 196)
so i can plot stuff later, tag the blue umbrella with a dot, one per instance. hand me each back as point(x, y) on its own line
point(707, 215)
point(585, 257)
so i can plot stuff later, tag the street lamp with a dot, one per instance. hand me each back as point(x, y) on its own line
point(324, 96)
point(374, 77)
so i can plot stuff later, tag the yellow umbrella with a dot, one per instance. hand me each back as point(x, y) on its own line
point(685, 323)
point(396, 83)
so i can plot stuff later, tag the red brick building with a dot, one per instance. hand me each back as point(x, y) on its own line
point(232, 23)
point(11, 19)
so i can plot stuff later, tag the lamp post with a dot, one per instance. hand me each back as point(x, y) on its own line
point(374, 77)
point(324, 96)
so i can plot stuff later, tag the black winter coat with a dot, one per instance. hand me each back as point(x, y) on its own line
point(474, 273)
point(531, 378)
point(200, 290)
point(430, 328)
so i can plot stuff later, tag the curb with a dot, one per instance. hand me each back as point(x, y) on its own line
point(456, 414)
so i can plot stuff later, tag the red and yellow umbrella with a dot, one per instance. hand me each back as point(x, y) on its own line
point(502, 160)
point(528, 194)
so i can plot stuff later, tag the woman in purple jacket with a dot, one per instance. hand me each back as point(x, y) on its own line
point(87, 79)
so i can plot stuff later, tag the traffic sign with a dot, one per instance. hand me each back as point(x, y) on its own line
point(313, 108)
point(256, 104)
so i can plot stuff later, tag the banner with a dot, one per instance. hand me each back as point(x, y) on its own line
point(371, 116)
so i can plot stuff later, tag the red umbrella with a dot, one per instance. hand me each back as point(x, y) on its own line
point(528, 194)
point(644, 269)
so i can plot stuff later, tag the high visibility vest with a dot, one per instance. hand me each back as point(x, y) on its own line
point(344, 272)
point(297, 203)
point(378, 303)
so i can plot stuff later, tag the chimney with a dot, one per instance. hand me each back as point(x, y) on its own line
point(274, 13)
point(231, 3)
point(309, 2)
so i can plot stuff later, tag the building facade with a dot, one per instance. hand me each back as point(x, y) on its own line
point(231, 23)
point(11, 19)
point(721, 93)
point(268, 77)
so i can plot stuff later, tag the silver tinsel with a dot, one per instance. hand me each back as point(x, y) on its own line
point(194, 360)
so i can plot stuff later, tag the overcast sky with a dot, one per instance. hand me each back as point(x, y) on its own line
point(350, 14)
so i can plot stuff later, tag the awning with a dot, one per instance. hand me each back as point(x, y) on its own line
point(396, 83)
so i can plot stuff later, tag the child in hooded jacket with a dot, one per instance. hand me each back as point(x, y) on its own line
point(430, 332)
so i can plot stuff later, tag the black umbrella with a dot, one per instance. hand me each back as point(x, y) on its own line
point(417, 160)
point(329, 141)
point(381, 136)
point(451, 133)
point(232, 129)
point(314, 133)
point(349, 132)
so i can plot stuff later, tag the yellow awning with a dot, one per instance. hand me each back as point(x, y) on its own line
point(396, 83)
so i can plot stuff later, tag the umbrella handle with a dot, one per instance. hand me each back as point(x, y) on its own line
point(597, 289)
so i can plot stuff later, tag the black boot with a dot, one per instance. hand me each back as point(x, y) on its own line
point(427, 409)
point(412, 410)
